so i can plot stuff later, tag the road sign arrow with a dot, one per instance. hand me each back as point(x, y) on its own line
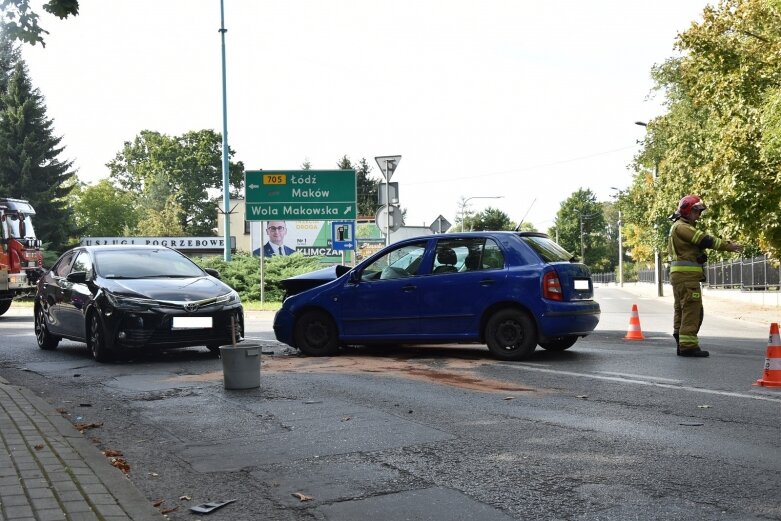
point(254, 187)
point(347, 210)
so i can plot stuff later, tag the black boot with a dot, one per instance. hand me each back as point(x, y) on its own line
point(676, 336)
point(696, 352)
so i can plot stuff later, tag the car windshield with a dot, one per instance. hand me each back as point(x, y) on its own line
point(144, 264)
point(547, 249)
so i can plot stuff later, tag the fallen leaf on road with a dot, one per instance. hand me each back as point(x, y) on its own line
point(703, 406)
point(111, 453)
point(302, 497)
point(121, 464)
point(85, 426)
point(61, 410)
point(154, 474)
point(169, 510)
point(509, 398)
point(157, 502)
point(346, 419)
point(185, 498)
point(39, 446)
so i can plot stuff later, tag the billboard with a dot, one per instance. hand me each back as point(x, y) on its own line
point(310, 238)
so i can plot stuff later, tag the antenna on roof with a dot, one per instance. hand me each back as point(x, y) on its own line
point(524, 215)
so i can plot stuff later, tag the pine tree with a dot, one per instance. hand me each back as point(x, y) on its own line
point(29, 150)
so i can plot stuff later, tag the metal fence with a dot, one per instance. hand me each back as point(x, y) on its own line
point(747, 274)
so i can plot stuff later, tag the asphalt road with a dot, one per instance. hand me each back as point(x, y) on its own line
point(609, 430)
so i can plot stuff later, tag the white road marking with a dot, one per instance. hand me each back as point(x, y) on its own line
point(642, 377)
point(524, 367)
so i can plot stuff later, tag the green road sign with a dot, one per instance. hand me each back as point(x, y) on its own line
point(300, 195)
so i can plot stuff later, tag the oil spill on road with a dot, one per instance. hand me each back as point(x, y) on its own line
point(417, 364)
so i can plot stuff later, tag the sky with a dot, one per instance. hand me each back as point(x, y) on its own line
point(513, 104)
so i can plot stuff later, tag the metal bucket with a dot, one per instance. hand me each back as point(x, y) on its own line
point(241, 366)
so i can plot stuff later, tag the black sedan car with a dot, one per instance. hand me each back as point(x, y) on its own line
point(128, 298)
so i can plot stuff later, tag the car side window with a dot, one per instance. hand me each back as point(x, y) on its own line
point(61, 268)
point(82, 263)
point(493, 258)
point(399, 263)
point(459, 255)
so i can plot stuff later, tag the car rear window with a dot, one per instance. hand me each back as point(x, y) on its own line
point(547, 249)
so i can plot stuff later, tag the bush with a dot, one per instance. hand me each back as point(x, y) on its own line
point(242, 273)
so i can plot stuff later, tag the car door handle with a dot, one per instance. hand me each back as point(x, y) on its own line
point(487, 282)
point(409, 288)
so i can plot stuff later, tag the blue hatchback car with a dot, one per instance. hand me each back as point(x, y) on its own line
point(509, 290)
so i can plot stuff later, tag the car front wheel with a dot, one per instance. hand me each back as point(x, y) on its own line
point(5, 305)
point(97, 339)
point(315, 334)
point(45, 339)
point(511, 335)
point(560, 343)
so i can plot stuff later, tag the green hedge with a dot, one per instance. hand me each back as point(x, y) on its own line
point(242, 273)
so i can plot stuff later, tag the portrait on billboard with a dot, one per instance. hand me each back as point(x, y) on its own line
point(276, 237)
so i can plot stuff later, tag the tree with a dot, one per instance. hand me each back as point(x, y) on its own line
point(721, 135)
point(156, 166)
point(489, 219)
point(581, 228)
point(166, 222)
point(20, 22)
point(103, 210)
point(29, 151)
point(368, 188)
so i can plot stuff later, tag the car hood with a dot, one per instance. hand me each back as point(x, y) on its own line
point(176, 289)
point(313, 279)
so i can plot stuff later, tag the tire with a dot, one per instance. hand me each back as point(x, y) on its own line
point(511, 335)
point(214, 349)
point(97, 339)
point(560, 343)
point(4, 305)
point(315, 334)
point(46, 340)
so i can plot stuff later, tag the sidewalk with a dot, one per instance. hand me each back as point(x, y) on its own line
point(49, 471)
point(722, 303)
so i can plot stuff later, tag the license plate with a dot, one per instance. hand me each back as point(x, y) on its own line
point(581, 284)
point(192, 323)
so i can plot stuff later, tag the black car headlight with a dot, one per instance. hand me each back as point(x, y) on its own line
point(126, 303)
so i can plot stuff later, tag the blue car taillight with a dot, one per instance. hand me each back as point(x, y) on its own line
point(551, 286)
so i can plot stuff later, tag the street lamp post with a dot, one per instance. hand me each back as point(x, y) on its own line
point(620, 241)
point(463, 206)
point(657, 260)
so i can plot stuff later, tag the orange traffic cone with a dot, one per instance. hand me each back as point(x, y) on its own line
point(771, 377)
point(634, 333)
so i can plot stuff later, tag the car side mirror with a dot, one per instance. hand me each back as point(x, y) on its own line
point(77, 277)
point(211, 271)
point(355, 277)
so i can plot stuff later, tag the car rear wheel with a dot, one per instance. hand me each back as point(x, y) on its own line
point(97, 339)
point(45, 339)
point(511, 335)
point(315, 334)
point(4, 305)
point(559, 343)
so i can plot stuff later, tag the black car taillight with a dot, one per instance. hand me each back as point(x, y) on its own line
point(551, 286)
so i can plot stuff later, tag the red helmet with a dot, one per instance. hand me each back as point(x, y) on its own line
point(689, 203)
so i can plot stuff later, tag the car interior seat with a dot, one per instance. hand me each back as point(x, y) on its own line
point(447, 259)
point(472, 261)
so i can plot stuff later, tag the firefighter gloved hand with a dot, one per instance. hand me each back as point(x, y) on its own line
point(702, 258)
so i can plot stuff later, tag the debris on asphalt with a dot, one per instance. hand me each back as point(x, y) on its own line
point(302, 497)
point(81, 427)
point(208, 508)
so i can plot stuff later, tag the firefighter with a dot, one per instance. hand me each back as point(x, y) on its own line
point(686, 247)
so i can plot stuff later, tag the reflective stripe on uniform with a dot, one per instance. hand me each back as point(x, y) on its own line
point(688, 340)
point(696, 268)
